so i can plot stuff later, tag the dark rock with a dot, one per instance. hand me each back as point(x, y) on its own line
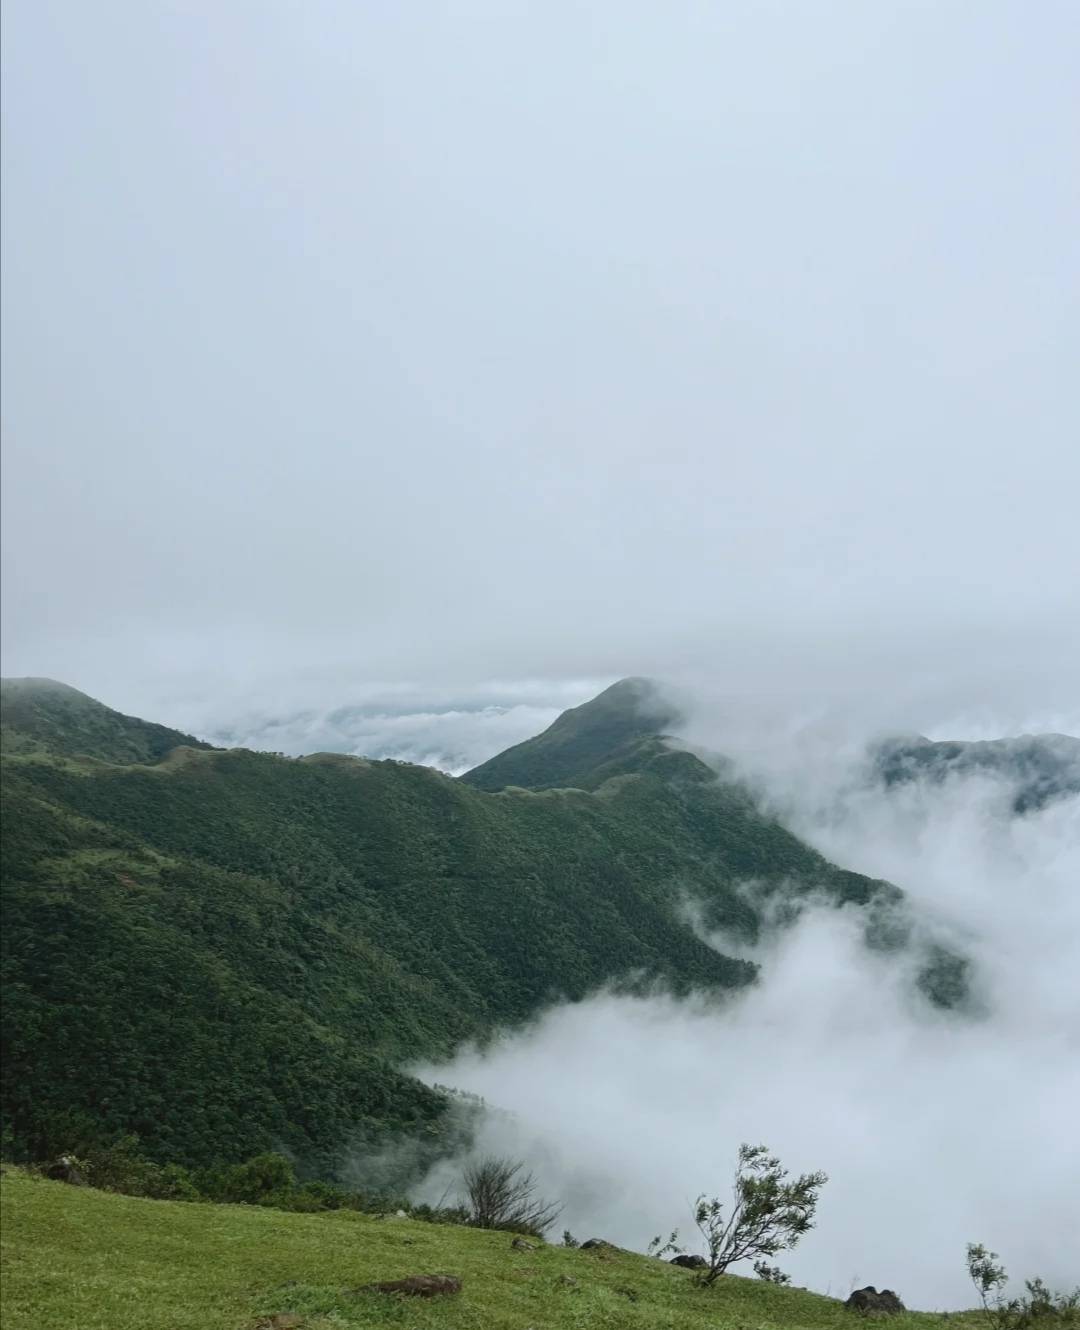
point(519, 1244)
point(598, 1244)
point(690, 1262)
point(64, 1169)
point(567, 1281)
point(872, 1303)
point(417, 1286)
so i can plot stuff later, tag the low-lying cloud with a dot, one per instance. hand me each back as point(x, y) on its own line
point(935, 1129)
point(451, 728)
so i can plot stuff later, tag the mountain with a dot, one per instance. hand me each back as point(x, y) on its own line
point(41, 713)
point(226, 951)
point(1035, 768)
point(616, 731)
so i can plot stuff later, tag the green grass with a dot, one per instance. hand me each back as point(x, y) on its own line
point(78, 1259)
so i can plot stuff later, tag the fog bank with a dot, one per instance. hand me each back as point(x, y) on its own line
point(935, 1129)
point(449, 727)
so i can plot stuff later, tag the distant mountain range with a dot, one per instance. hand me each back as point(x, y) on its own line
point(1036, 769)
point(225, 951)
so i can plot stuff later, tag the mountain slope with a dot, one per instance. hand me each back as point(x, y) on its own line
point(584, 744)
point(79, 1257)
point(41, 713)
point(227, 951)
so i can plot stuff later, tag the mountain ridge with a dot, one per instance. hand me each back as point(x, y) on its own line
point(47, 713)
point(1041, 767)
point(225, 951)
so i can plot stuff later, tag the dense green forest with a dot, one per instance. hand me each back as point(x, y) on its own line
point(227, 951)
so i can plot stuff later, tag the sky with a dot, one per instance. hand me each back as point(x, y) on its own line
point(466, 347)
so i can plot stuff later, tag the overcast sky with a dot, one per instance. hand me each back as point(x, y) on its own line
point(454, 342)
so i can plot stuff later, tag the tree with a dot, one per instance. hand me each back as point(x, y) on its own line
point(989, 1279)
point(262, 1180)
point(1040, 1306)
point(502, 1195)
point(769, 1213)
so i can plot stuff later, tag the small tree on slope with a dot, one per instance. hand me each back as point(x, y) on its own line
point(1040, 1307)
point(769, 1213)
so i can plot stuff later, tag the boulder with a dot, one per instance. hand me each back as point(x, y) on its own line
point(519, 1244)
point(597, 1244)
point(690, 1262)
point(417, 1286)
point(65, 1169)
point(872, 1303)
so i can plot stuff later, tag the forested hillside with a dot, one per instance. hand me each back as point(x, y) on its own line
point(44, 714)
point(227, 951)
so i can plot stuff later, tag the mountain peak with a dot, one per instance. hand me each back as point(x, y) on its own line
point(635, 690)
point(21, 687)
point(44, 714)
point(607, 729)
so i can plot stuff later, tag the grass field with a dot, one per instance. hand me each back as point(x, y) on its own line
point(78, 1259)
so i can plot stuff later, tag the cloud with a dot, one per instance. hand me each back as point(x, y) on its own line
point(935, 1129)
point(451, 740)
point(450, 728)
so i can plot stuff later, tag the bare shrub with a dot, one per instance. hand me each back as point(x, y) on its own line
point(501, 1194)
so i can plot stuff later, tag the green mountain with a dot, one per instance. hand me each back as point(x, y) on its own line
point(41, 713)
point(226, 951)
point(586, 745)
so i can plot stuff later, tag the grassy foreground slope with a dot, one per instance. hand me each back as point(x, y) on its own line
point(226, 952)
point(74, 1257)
